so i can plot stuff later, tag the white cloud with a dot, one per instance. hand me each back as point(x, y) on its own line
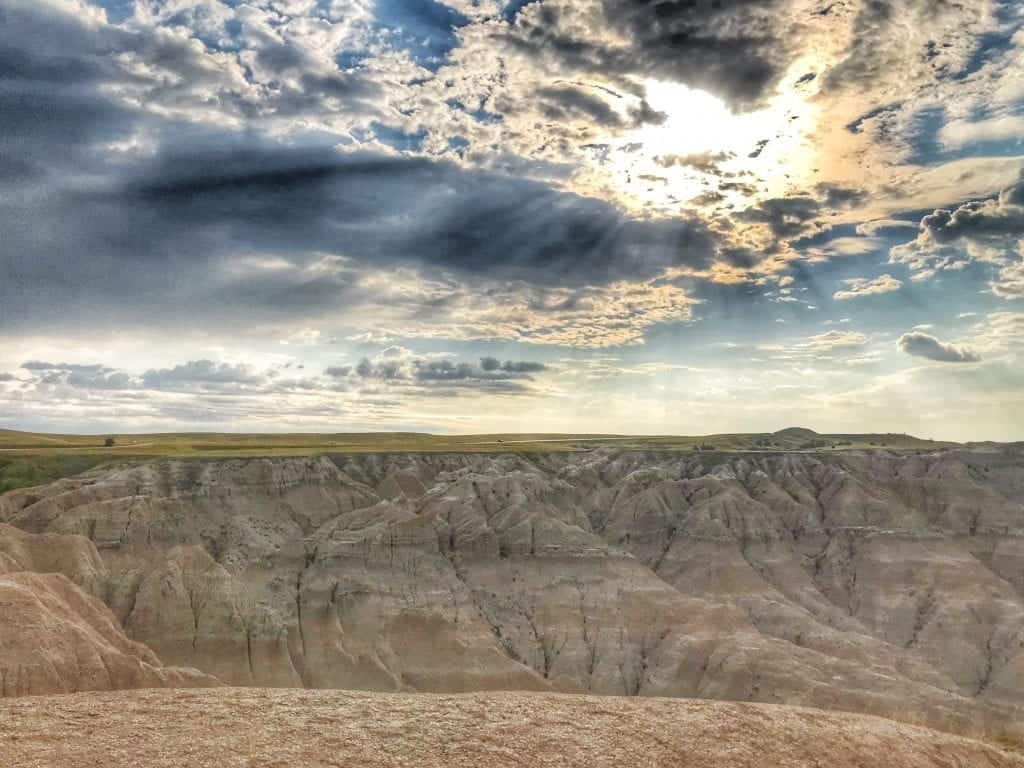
point(860, 286)
point(919, 344)
point(872, 228)
point(958, 133)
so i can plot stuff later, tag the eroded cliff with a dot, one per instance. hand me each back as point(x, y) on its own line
point(865, 581)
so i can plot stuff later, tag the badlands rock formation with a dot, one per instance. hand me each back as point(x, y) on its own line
point(241, 728)
point(55, 638)
point(864, 581)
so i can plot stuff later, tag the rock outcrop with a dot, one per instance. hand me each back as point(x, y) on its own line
point(868, 581)
point(56, 638)
point(245, 727)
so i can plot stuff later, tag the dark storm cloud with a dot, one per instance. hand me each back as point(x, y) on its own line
point(558, 103)
point(563, 102)
point(60, 73)
point(381, 209)
point(922, 345)
point(52, 108)
point(151, 236)
point(735, 48)
point(793, 217)
point(727, 46)
point(786, 217)
point(188, 211)
point(979, 219)
point(987, 230)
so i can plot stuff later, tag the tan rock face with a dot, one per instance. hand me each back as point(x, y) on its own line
point(867, 582)
point(229, 728)
point(54, 638)
point(73, 556)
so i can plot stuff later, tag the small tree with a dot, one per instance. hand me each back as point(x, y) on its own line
point(109, 442)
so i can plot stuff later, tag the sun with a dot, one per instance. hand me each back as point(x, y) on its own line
point(705, 152)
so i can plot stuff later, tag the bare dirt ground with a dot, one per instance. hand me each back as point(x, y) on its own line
point(261, 728)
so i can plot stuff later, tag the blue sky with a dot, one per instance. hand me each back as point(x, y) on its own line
point(479, 215)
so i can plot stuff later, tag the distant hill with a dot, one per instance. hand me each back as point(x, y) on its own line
point(796, 433)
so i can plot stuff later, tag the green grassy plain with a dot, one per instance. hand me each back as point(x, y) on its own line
point(28, 459)
point(301, 444)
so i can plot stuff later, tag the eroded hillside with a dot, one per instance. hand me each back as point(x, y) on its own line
point(864, 581)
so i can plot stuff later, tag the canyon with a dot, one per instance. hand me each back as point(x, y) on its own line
point(870, 581)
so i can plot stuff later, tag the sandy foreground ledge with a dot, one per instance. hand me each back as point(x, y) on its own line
point(223, 728)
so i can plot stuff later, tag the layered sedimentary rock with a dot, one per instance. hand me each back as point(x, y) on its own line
point(56, 638)
point(867, 581)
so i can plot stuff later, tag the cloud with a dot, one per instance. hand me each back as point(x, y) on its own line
point(884, 226)
point(998, 217)
point(522, 366)
point(862, 286)
point(785, 217)
point(1002, 332)
point(817, 349)
point(239, 175)
point(834, 340)
point(990, 231)
point(42, 365)
point(923, 345)
point(957, 133)
point(228, 226)
point(704, 162)
point(562, 103)
point(796, 216)
point(1010, 283)
point(907, 41)
point(733, 48)
point(199, 216)
point(201, 373)
point(407, 210)
point(78, 375)
point(399, 365)
point(372, 394)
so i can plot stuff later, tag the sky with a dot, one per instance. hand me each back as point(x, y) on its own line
point(469, 216)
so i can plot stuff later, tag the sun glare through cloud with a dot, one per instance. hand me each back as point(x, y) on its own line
point(486, 383)
point(700, 149)
point(695, 190)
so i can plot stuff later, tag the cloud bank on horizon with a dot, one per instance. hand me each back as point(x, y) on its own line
point(505, 215)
